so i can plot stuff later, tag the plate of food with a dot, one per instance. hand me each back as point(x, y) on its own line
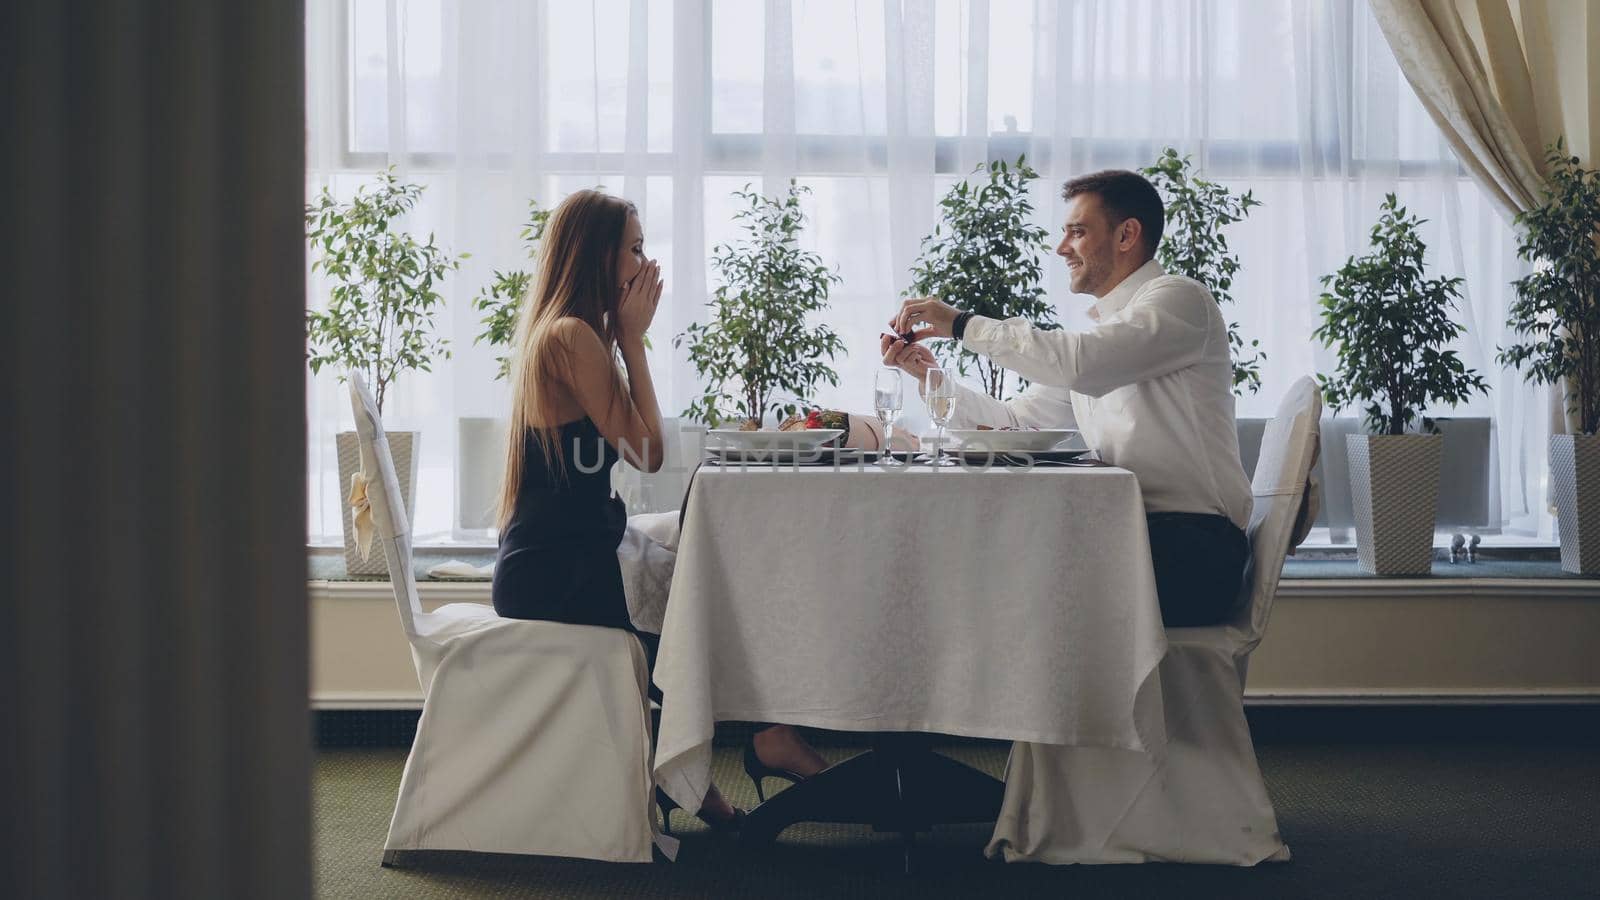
point(1009, 440)
point(798, 432)
point(772, 439)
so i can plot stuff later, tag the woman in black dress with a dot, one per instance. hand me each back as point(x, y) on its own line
point(573, 415)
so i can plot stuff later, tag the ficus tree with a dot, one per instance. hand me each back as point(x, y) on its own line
point(1193, 244)
point(762, 349)
point(986, 255)
point(502, 297)
point(1557, 307)
point(385, 293)
point(1389, 325)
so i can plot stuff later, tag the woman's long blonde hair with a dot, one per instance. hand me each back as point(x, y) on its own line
point(576, 277)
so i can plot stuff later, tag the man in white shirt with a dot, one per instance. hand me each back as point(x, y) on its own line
point(1150, 387)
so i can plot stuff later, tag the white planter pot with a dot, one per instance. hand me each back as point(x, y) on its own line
point(403, 447)
point(654, 492)
point(1394, 489)
point(480, 466)
point(1575, 476)
point(1464, 483)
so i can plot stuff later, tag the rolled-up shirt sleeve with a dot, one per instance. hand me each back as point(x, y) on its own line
point(1165, 330)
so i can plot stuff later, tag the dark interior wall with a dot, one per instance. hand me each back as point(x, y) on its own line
point(157, 740)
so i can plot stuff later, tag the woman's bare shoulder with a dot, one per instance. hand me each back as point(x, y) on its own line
point(576, 341)
point(573, 331)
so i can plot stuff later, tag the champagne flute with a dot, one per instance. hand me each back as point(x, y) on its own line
point(886, 402)
point(940, 392)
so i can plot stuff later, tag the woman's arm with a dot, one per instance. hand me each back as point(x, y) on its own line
point(642, 391)
point(629, 419)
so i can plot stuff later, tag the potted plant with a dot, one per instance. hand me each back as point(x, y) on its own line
point(500, 300)
point(1389, 325)
point(761, 351)
point(986, 255)
point(379, 316)
point(1194, 246)
point(1557, 313)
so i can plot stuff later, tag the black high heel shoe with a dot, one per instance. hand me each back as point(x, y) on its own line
point(758, 770)
point(667, 805)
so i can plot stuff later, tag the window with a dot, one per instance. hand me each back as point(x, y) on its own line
point(878, 108)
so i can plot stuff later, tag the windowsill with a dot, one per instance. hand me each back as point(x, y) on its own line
point(1317, 545)
point(1309, 564)
point(336, 548)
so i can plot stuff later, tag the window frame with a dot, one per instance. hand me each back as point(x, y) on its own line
point(735, 153)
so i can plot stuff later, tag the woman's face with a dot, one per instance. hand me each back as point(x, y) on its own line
point(630, 258)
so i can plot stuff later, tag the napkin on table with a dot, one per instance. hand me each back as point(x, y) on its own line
point(647, 555)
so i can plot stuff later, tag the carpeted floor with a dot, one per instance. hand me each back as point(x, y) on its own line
point(1364, 821)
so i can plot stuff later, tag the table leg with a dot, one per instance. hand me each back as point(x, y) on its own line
point(900, 785)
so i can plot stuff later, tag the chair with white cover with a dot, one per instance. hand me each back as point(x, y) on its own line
point(534, 736)
point(1200, 798)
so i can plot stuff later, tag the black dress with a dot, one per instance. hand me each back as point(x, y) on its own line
point(558, 554)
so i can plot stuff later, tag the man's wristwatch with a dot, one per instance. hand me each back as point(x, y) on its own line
point(959, 327)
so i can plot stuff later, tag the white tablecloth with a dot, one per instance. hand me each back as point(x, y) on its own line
point(1003, 604)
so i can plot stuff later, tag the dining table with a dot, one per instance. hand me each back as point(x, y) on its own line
point(1000, 599)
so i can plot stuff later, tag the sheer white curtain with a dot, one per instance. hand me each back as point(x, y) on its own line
point(879, 107)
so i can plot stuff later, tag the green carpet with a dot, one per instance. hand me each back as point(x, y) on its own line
point(1425, 820)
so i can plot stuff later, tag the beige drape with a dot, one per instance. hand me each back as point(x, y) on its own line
point(1502, 79)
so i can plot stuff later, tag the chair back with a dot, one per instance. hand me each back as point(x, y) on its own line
point(388, 511)
point(1280, 488)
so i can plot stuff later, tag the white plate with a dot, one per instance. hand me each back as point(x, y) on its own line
point(1015, 457)
point(808, 439)
point(1008, 441)
point(785, 456)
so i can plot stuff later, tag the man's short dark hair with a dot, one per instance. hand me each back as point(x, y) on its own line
point(1126, 195)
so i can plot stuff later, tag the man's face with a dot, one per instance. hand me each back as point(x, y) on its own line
point(1089, 245)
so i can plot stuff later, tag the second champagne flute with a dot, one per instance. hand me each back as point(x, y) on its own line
point(939, 389)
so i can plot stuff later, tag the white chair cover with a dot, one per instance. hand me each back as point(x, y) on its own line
point(1200, 800)
point(534, 736)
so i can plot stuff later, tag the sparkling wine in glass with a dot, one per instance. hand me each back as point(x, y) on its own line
point(886, 402)
point(939, 389)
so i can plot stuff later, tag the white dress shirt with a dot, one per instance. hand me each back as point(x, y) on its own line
point(1150, 387)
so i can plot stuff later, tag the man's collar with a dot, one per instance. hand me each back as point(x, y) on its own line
point(1113, 302)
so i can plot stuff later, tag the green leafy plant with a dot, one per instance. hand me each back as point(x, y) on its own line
point(379, 318)
point(1389, 323)
point(760, 352)
point(1557, 308)
point(986, 255)
point(500, 300)
point(1193, 245)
